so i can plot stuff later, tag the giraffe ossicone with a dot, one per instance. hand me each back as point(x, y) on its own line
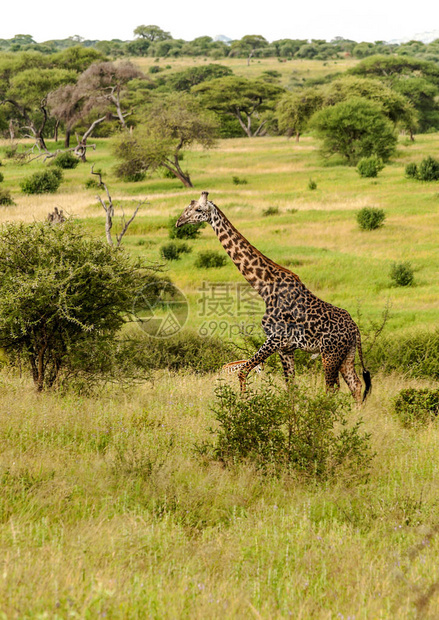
point(294, 318)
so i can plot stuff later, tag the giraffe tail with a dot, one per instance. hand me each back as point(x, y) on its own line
point(366, 374)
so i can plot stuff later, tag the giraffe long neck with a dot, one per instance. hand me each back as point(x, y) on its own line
point(260, 271)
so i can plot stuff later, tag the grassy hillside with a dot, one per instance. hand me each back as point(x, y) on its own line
point(315, 232)
point(106, 508)
point(290, 69)
point(107, 511)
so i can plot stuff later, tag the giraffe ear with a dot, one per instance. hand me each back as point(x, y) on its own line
point(203, 199)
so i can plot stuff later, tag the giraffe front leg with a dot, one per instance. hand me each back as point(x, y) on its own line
point(267, 349)
point(287, 361)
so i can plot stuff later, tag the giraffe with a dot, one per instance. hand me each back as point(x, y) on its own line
point(294, 317)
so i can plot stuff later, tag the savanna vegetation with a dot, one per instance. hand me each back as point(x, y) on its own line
point(134, 480)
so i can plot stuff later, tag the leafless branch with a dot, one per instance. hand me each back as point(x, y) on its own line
point(109, 212)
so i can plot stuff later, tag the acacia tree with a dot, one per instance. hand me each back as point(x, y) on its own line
point(170, 125)
point(245, 100)
point(294, 111)
point(356, 128)
point(97, 96)
point(27, 94)
point(64, 298)
point(152, 33)
point(248, 45)
point(393, 104)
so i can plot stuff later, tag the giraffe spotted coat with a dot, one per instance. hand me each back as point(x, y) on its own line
point(295, 318)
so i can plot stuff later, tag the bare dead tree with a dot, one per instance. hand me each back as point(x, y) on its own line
point(108, 207)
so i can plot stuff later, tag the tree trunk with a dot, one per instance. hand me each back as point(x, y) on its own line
point(55, 132)
point(11, 129)
point(67, 138)
point(178, 172)
point(297, 136)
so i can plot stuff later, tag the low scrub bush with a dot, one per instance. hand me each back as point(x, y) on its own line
point(369, 167)
point(66, 161)
point(289, 430)
point(44, 182)
point(186, 350)
point(370, 218)
point(188, 231)
point(428, 169)
point(312, 185)
point(416, 355)
point(417, 407)
point(270, 211)
point(210, 259)
point(173, 250)
point(411, 170)
point(402, 274)
point(6, 198)
point(239, 181)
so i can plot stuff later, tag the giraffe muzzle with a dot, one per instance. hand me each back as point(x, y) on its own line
point(181, 221)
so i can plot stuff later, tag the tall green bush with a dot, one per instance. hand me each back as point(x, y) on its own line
point(289, 430)
point(64, 298)
point(370, 218)
point(354, 129)
point(44, 182)
point(369, 167)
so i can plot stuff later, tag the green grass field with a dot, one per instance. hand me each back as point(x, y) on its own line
point(107, 511)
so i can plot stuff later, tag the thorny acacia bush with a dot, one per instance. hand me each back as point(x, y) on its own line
point(64, 298)
point(417, 407)
point(289, 430)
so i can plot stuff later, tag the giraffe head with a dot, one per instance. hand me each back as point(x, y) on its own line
point(197, 211)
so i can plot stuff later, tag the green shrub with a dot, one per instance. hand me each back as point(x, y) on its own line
point(186, 350)
point(6, 198)
point(415, 354)
point(370, 218)
point(173, 250)
point(238, 181)
point(154, 69)
point(210, 259)
point(66, 161)
point(188, 231)
point(167, 174)
point(270, 211)
point(91, 184)
point(354, 129)
point(312, 185)
point(369, 167)
point(411, 170)
point(289, 430)
point(428, 169)
point(74, 296)
point(401, 274)
point(417, 407)
point(2, 178)
point(44, 182)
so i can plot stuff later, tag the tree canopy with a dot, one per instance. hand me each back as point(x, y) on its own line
point(246, 100)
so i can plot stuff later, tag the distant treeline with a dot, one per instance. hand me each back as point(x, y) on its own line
point(80, 91)
point(155, 42)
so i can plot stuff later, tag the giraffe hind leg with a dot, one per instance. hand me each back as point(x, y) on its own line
point(331, 368)
point(350, 376)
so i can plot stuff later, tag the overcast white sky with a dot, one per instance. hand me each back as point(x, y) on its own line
point(363, 20)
